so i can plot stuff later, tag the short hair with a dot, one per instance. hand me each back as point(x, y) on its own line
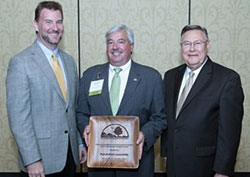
point(194, 27)
point(47, 5)
point(118, 28)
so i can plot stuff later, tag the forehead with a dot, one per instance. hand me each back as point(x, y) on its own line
point(50, 13)
point(193, 35)
point(118, 35)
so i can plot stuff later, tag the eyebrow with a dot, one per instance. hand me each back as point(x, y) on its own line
point(121, 39)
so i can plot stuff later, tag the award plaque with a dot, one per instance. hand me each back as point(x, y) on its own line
point(112, 142)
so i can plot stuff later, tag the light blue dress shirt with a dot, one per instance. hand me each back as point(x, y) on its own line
point(48, 53)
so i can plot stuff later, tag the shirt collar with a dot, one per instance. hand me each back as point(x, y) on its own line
point(197, 71)
point(123, 67)
point(48, 53)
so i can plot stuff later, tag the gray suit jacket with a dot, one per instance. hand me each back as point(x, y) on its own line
point(41, 121)
point(143, 97)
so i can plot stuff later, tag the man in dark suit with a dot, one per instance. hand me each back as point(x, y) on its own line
point(141, 94)
point(204, 128)
point(41, 100)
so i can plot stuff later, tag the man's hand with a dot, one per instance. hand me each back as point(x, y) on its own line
point(220, 175)
point(82, 154)
point(140, 143)
point(86, 135)
point(36, 169)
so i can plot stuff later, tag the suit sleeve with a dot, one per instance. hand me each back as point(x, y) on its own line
point(164, 134)
point(157, 120)
point(83, 109)
point(229, 130)
point(79, 137)
point(19, 111)
point(164, 144)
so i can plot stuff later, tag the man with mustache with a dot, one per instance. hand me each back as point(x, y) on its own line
point(140, 94)
point(41, 88)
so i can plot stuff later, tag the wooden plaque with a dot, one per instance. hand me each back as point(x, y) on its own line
point(112, 142)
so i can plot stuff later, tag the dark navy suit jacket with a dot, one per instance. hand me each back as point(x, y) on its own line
point(143, 97)
point(205, 136)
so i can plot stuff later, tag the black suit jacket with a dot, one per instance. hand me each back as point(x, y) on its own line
point(204, 138)
point(143, 97)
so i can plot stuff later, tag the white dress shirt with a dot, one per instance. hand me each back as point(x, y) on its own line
point(185, 77)
point(48, 53)
point(123, 75)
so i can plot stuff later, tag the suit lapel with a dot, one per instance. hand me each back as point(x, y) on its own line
point(43, 64)
point(67, 75)
point(103, 73)
point(133, 81)
point(202, 79)
point(177, 86)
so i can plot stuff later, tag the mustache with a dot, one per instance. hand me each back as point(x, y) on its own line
point(115, 51)
point(53, 31)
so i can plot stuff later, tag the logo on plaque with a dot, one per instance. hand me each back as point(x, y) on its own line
point(115, 131)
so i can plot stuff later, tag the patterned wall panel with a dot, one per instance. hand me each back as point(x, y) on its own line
point(70, 38)
point(156, 25)
point(228, 25)
point(16, 33)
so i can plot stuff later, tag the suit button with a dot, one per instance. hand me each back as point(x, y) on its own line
point(177, 130)
point(66, 110)
point(66, 131)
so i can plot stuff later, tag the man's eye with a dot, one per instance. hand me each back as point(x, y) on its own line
point(121, 41)
point(60, 22)
point(47, 22)
point(186, 43)
point(109, 42)
point(198, 43)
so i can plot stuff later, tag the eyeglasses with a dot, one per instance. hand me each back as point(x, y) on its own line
point(196, 44)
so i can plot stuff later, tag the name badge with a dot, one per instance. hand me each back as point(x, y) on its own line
point(96, 87)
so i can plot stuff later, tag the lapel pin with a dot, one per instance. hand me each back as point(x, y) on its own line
point(98, 75)
point(135, 79)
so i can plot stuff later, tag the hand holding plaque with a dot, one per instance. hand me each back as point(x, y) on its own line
point(112, 142)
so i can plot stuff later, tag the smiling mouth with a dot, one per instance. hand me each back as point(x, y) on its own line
point(116, 52)
point(54, 34)
point(193, 55)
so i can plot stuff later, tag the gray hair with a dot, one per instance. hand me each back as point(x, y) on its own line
point(195, 27)
point(118, 28)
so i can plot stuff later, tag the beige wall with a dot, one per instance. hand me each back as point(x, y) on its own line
point(228, 25)
point(156, 24)
point(16, 33)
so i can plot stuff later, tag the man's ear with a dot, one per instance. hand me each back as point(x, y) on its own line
point(208, 45)
point(35, 26)
point(131, 48)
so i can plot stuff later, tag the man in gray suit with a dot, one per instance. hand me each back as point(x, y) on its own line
point(141, 94)
point(41, 100)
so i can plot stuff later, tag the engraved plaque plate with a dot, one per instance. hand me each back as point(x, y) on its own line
point(112, 142)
